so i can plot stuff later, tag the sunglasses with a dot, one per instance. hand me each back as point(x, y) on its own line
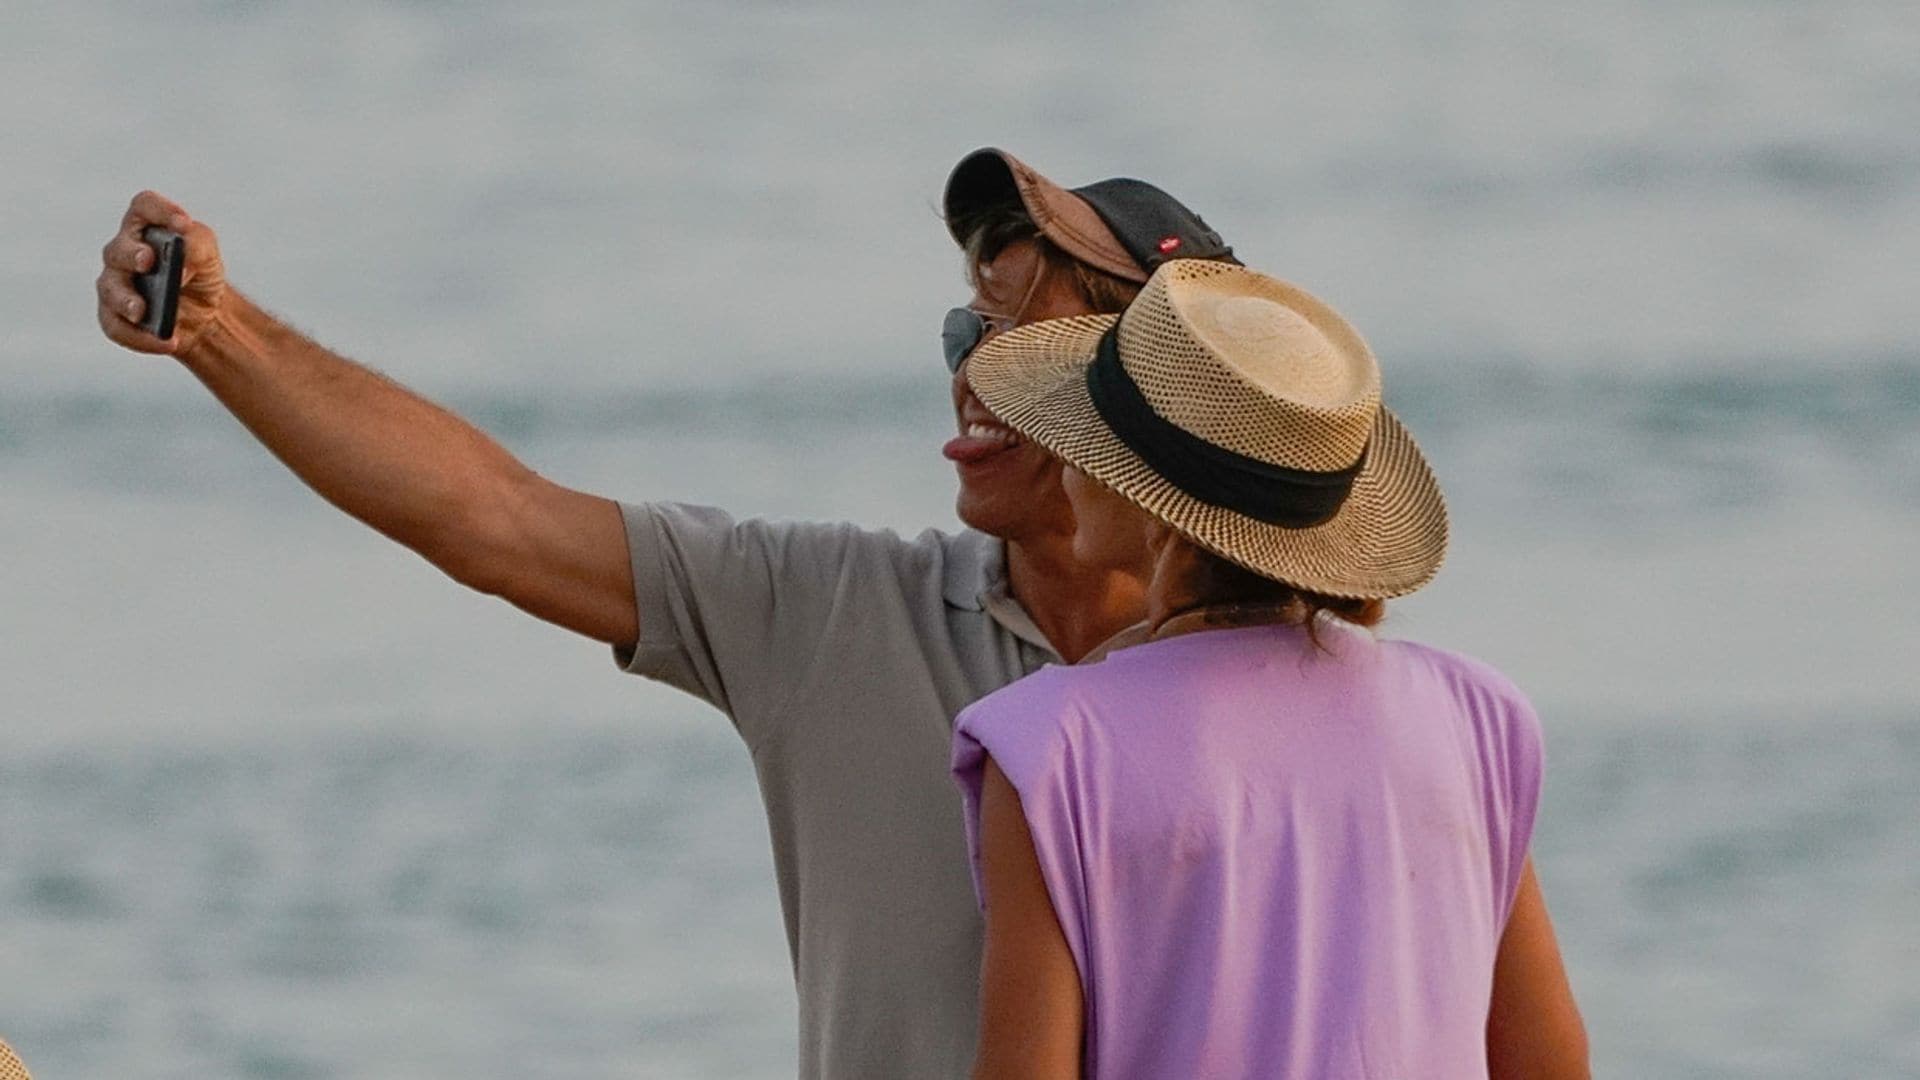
point(962, 331)
point(966, 327)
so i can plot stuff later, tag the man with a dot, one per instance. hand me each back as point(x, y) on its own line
point(841, 655)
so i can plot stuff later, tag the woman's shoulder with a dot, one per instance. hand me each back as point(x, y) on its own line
point(1054, 709)
point(1029, 728)
point(1053, 689)
point(1469, 679)
point(1457, 665)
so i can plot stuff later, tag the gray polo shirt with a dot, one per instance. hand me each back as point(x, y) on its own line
point(842, 655)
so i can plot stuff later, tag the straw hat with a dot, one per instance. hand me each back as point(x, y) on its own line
point(1241, 411)
point(10, 1067)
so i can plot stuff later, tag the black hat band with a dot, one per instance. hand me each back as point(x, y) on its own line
point(1274, 494)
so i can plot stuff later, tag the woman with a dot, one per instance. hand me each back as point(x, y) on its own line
point(1263, 842)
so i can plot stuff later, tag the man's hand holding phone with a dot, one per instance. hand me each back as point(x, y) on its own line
point(161, 281)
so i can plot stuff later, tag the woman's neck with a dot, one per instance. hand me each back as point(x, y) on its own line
point(1177, 602)
point(1220, 617)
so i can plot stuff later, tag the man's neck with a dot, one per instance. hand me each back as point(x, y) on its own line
point(1076, 607)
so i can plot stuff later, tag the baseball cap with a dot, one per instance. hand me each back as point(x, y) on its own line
point(1122, 226)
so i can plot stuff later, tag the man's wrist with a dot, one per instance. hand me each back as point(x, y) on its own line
point(227, 338)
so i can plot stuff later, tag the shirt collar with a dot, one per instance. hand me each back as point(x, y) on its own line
point(1005, 610)
point(976, 580)
point(976, 564)
point(1125, 639)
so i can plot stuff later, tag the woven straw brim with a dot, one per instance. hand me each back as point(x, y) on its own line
point(1387, 540)
point(10, 1067)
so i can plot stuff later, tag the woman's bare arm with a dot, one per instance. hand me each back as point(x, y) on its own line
point(1534, 1030)
point(1031, 1009)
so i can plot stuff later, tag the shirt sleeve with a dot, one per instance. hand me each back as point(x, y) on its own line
point(1514, 764)
point(733, 611)
point(1507, 748)
point(1526, 776)
point(1025, 729)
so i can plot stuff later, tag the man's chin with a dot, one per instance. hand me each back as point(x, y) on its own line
point(1011, 495)
point(985, 515)
point(1003, 510)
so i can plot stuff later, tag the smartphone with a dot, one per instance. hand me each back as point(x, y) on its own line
point(161, 285)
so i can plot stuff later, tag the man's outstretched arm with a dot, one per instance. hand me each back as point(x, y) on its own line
point(407, 467)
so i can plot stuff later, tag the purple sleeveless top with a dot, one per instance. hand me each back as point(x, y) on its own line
point(1270, 860)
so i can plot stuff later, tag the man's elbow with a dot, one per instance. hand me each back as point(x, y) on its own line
point(478, 544)
point(484, 570)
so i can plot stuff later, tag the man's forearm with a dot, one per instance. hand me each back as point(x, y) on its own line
point(375, 449)
point(378, 451)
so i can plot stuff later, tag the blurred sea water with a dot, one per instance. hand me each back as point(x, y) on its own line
point(278, 801)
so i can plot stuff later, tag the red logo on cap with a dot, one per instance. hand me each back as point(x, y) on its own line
point(1169, 245)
